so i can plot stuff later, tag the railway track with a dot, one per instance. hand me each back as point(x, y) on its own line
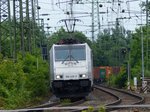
point(52, 106)
point(111, 98)
point(125, 99)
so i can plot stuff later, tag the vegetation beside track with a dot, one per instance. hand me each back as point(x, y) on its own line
point(119, 80)
point(22, 83)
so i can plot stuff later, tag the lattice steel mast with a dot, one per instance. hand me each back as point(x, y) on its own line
point(24, 21)
point(5, 19)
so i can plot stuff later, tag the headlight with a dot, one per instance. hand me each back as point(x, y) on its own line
point(59, 76)
point(82, 75)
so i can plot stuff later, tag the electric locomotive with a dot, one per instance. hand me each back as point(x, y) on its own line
point(71, 69)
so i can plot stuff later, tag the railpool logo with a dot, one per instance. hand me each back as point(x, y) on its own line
point(70, 63)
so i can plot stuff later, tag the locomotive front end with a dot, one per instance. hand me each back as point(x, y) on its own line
point(71, 71)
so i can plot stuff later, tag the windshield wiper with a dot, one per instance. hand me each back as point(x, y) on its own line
point(65, 59)
point(71, 57)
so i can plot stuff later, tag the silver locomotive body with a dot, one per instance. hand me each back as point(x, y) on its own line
point(71, 70)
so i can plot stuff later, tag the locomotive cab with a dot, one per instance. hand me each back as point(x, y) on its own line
point(71, 70)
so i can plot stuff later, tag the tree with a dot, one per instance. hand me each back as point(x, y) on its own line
point(8, 39)
point(62, 34)
point(108, 48)
point(136, 52)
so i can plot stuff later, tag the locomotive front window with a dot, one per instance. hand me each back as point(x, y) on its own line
point(70, 53)
point(78, 53)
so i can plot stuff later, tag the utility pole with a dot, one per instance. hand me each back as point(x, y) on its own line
point(147, 36)
point(5, 32)
point(129, 58)
point(0, 27)
point(43, 33)
point(117, 53)
point(22, 29)
point(37, 11)
point(33, 24)
point(146, 33)
point(29, 10)
point(98, 18)
point(28, 27)
point(25, 11)
point(10, 29)
point(93, 20)
point(15, 35)
point(142, 51)
point(18, 26)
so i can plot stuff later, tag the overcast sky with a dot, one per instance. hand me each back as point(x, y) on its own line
point(108, 14)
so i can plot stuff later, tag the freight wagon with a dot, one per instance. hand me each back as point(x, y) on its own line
point(102, 73)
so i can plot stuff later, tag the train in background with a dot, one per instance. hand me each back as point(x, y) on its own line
point(71, 68)
point(101, 73)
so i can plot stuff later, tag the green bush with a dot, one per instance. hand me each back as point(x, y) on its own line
point(118, 80)
point(37, 77)
point(102, 109)
point(121, 80)
point(22, 82)
point(90, 109)
point(12, 81)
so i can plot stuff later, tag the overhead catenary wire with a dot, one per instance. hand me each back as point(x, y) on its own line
point(86, 2)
